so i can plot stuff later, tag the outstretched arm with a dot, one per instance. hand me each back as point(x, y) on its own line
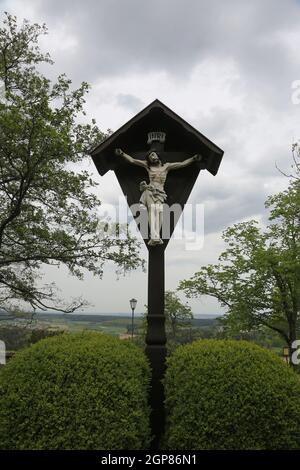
point(129, 159)
point(187, 162)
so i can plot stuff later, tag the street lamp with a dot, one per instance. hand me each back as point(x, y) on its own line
point(133, 303)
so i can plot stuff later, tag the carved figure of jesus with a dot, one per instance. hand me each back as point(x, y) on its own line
point(153, 194)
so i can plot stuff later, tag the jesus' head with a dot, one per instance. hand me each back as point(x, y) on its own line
point(153, 159)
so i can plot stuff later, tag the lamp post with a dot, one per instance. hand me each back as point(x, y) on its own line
point(133, 303)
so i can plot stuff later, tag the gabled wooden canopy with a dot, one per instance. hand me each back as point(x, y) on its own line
point(132, 137)
point(182, 141)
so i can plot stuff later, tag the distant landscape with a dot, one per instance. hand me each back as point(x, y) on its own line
point(22, 330)
point(115, 324)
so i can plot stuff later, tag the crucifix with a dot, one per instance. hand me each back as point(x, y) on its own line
point(153, 193)
point(177, 154)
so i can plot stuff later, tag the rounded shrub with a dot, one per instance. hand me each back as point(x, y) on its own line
point(230, 395)
point(75, 391)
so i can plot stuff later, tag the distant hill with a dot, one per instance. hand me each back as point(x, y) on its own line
point(94, 317)
point(78, 317)
point(199, 320)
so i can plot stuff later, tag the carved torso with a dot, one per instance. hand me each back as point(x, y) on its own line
point(157, 176)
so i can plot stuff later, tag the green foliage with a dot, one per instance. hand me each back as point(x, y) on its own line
point(14, 337)
point(18, 337)
point(37, 334)
point(231, 395)
point(75, 391)
point(257, 278)
point(178, 322)
point(49, 209)
point(178, 315)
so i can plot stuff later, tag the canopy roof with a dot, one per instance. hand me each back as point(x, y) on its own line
point(180, 136)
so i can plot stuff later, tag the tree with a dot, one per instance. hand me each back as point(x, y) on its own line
point(178, 315)
point(49, 210)
point(295, 166)
point(257, 278)
point(19, 336)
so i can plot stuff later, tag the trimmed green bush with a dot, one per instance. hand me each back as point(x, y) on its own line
point(75, 391)
point(230, 395)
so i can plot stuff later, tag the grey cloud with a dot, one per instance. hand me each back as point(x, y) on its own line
point(118, 37)
point(232, 130)
point(227, 201)
point(131, 102)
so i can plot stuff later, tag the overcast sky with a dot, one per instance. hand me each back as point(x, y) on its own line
point(225, 67)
